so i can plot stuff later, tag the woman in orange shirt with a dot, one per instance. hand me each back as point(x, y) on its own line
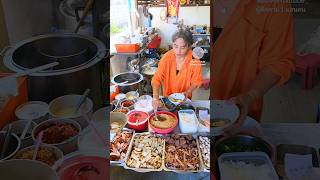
point(253, 52)
point(177, 71)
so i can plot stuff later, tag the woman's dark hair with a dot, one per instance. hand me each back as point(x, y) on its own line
point(186, 35)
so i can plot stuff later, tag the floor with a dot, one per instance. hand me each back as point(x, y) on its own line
point(291, 103)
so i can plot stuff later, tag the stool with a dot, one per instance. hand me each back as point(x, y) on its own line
point(307, 66)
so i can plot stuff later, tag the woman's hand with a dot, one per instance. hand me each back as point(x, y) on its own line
point(155, 103)
point(243, 102)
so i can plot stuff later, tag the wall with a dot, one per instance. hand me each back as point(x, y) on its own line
point(26, 18)
point(303, 28)
point(190, 15)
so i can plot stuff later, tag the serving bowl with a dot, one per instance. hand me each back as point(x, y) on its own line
point(242, 143)
point(138, 120)
point(165, 130)
point(66, 146)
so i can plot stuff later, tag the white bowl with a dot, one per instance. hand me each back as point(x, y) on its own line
point(17, 169)
point(177, 96)
point(220, 109)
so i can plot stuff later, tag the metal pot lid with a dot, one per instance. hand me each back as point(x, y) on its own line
point(130, 78)
point(74, 52)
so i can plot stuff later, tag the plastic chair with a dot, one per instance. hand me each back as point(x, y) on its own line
point(307, 66)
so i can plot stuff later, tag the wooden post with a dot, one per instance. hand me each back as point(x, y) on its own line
point(4, 40)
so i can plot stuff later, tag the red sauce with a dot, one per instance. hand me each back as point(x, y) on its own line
point(84, 168)
point(138, 116)
point(127, 103)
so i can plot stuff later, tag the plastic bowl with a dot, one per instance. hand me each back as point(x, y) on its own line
point(66, 146)
point(118, 117)
point(57, 152)
point(138, 126)
point(164, 131)
point(17, 169)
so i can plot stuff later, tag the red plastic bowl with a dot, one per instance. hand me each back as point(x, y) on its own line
point(138, 120)
point(163, 131)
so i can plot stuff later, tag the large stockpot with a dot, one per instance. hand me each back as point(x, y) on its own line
point(127, 81)
point(80, 67)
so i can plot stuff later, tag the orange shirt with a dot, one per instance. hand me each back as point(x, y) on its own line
point(251, 41)
point(189, 74)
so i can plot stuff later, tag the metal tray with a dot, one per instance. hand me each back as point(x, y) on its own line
point(182, 171)
point(205, 168)
point(143, 170)
point(120, 162)
point(247, 157)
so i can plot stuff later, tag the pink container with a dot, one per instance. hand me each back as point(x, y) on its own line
point(164, 131)
point(138, 120)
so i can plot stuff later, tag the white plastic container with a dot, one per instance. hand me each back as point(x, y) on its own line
point(188, 122)
point(242, 159)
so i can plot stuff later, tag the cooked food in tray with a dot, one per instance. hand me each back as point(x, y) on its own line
point(163, 121)
point(181, 153)
point(146, 152)
point(204, 145)
point(58, 133)
point(119, 145)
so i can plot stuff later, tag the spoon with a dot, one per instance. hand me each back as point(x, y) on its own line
point(155, 115)
point(6, 142)
point(25, 130)
point(123, 83)
point(37, 147)
point(82, 99)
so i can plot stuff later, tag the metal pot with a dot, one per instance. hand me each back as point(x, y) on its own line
point(80, 65)
point(13, 145)
point(18, 127)
point(127, 81)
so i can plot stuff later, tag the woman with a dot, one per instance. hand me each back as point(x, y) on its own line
point(252, 52)
point(177, 71)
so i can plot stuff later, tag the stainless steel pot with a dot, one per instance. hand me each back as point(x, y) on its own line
point(127, 81)
point(80, 67)
point(17, 129)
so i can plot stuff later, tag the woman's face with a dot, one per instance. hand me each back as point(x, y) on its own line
point(180, 47)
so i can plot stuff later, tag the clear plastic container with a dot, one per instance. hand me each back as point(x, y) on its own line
point(188, 122)
point(248, 165)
